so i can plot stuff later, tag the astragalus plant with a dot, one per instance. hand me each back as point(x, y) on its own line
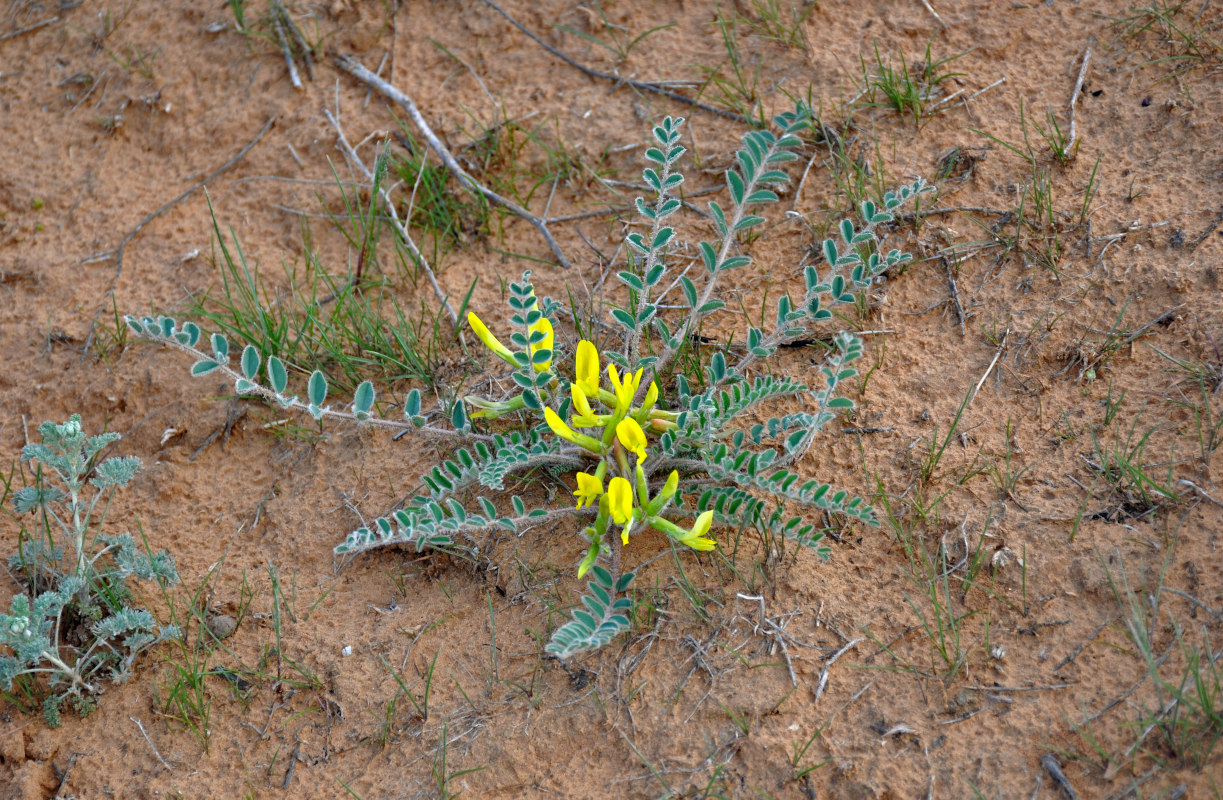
point(640, 444)
point(75, 624)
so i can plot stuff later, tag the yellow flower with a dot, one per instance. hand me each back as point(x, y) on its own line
point(562, 430)
point(651, 396)
point(544, 325)
point(587, 371)
point(590, 488)
point(665, 496)
point(632, 437)
point(626, 390)
point(586, 417)
point(620, 500)
point(696, 538)
point(489, 340)
point(668, 489)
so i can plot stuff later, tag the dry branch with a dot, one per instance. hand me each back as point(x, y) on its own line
point(1074, 97)
point(28, 28)
point(358, 71)
point(400, 227)
point(1049, 762)
point(616, 79)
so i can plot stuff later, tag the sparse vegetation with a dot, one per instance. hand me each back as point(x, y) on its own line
point(1034, 424)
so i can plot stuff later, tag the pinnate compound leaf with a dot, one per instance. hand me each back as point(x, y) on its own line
point(599, 620)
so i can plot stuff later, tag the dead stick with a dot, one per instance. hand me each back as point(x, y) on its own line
point(1114, 703)
point(934, 13)
point(594, 73)
point(1216, 614)
point(292, 763)
point(288, 53)
point(400, 227)
point(1218, 219)
point(1081, 647)
point(955, 296)
point(1038, 688)
point(297, 37)
point(823, 682)
point(135, 231)
point(358, 71)
point(1074, 96)
point(152, 746)
point(1002, 346)
point(1049, 762)
point(29, 28)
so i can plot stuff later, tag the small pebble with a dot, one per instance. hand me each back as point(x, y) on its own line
point(347, 651)
point(221, 625)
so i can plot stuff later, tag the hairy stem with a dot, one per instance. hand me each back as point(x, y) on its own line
point(694, 316)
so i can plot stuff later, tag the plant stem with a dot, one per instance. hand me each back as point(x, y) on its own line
point(651, 258)
point(685, 331)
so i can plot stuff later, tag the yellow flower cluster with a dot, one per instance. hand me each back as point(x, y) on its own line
point(605, 423)
point(620, 429)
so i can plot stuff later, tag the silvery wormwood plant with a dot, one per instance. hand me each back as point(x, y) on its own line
point(75, 574)
point(609, 425)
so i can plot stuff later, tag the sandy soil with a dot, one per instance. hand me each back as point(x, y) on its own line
point(111, 110)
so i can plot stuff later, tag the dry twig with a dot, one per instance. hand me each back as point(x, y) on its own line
point(1074, 96)
point(288, 54)
point(1049, 762)
point(768, 626)
point(616, 79)
point(358, 71)
point(400, 227)
point(28, 28)
point(934, 13)
point(152, 746)
point(823, 682)
point(1002, 346)
point(955, 296)
point(1083, 646)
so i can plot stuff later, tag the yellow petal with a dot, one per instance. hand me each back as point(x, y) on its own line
point(489, 340)
point(544, 325)
point(703, 523)
point(580, 402)
point(587, 371)
point(625, 389)
point(614, 376)
point(651, 396)
point(590, 488)
point(699, 543)
point(558, 425)
point(632, 437)
point(620, 500)
point(696, 538)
